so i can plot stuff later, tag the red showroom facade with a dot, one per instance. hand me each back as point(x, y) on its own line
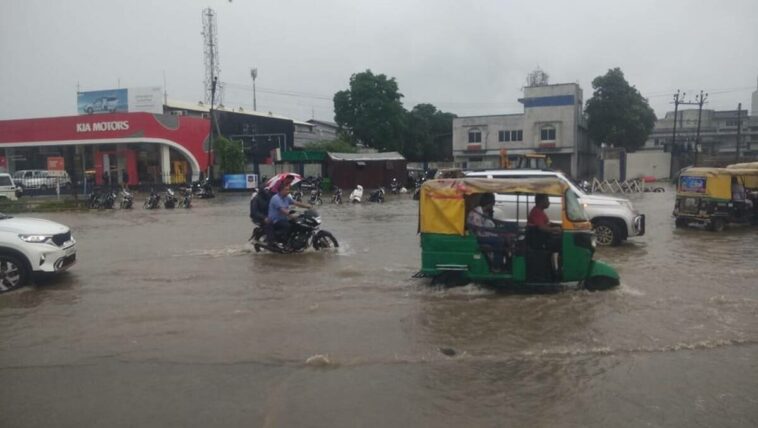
point(115, 148)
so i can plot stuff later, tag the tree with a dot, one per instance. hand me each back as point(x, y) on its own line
point(429, 134)
point(370, 111)
point(537, 78)
point(230, 155)
point(337, 146)
point(617, 114)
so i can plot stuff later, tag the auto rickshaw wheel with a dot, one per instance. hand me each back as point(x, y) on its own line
point(599, 283)
point(717, 224)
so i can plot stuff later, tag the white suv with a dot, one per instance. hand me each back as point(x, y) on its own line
point(32, 245)
point(614, 219)
point(8, 189)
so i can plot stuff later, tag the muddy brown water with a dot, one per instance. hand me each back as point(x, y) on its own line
point(170, 319)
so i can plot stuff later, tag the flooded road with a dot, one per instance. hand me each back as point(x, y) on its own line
point(171, 319)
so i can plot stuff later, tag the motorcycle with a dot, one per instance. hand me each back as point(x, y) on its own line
point(203, 189)
point(153, 201)
point(127, 200)
point(169, 199)
point(356, 194)
point(186, 201)
point(377, 195)
point(394, 186)
point(315, 198)
point(304, 233)
point(98, 199)
point(337, 196)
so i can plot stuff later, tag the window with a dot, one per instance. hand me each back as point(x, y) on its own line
point(547, 133)
point(503, 136)
point(474, 136)
point(517, 135)
point(731, 123)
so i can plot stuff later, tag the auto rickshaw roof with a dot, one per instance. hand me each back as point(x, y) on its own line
point(443, 205)
point(743, 165)
point(714, 172)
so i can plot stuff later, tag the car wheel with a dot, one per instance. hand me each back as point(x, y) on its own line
point(680, 222)
point(13, 273)
point(607, 233)
point(89, 110)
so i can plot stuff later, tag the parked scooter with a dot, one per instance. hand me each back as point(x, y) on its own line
point(377, 195)
point(186, 201)
point(169, 199)
point(337, 196)
point(153, 201)
point(394, 186)
point(99, 200)
point(127, 200)
point(315, 198)
point(356, 194)
point(203, 189)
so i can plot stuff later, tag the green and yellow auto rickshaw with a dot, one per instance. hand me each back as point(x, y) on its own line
point(450, 249)
point(715, 197)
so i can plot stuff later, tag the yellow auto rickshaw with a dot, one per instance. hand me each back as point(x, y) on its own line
point(451, 249)
point(715, 197)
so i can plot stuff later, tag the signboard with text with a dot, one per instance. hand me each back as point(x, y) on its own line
point(55, 163)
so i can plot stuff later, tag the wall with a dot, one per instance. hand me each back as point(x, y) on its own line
point(644, 163)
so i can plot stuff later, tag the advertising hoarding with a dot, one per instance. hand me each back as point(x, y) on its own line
point(148, 100)
point(97, 102)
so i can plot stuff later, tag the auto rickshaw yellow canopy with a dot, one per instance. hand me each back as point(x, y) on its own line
point(443, 207)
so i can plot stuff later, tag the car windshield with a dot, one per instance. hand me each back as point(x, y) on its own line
point(5, 181)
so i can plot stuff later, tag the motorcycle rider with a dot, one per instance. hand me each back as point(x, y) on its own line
point(259, 209)
point(279, 212)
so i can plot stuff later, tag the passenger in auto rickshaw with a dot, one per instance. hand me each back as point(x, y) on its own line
point(495, 237)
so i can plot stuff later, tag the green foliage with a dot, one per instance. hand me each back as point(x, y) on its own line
point(429, 134)
point(335, 146)
point(230, 156)
point(370, 111)
point(617, 114)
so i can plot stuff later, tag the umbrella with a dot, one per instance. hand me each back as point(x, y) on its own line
point(274, 182)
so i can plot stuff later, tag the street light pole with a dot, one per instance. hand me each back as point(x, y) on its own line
point(254, 75)
point(209, 173)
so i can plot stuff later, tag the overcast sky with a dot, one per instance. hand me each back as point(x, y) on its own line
point(468, 58)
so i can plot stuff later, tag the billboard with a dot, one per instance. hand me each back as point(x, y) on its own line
point(149, 100)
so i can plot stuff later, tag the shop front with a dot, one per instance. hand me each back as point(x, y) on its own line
point(109, 149)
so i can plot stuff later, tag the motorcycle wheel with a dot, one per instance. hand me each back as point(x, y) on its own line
point(324, 240)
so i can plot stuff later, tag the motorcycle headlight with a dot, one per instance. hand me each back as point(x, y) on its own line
point(593, 242)
point(318, 219)
point(36, 239)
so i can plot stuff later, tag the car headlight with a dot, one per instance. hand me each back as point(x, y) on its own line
point(37, 239)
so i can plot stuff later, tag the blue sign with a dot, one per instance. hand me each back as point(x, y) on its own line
point(692, 184)
point(96, 102)
point(235, 181)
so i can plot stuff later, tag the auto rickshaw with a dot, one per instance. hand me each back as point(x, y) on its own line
point(715, 197)
point(449, 249)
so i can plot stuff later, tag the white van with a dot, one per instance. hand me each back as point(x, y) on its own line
point(8, 189)
point(41, 178)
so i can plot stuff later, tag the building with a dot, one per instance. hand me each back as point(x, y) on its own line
point(110, 148)
point(314, 131)
point(552, 122)
point(370, 170)
point(718, 137)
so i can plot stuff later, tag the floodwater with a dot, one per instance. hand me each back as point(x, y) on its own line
point(171, 319)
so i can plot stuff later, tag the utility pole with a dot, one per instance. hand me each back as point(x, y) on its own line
point(700, 99)
point(673, 137)
point(739, 128)
point(254, 75)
